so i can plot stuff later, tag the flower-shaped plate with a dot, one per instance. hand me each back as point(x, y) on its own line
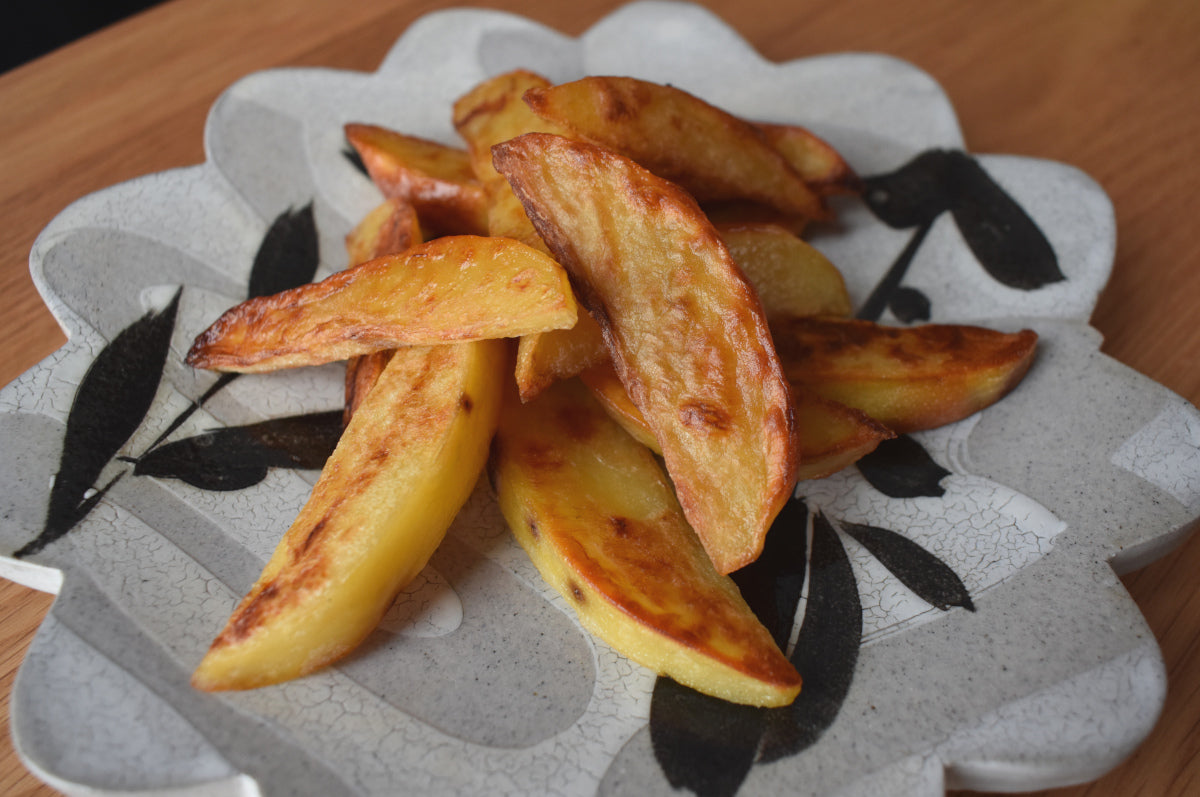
point(953, 602)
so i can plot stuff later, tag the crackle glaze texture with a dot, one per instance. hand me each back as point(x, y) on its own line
point(1023, 664)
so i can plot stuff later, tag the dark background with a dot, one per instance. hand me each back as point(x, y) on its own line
point(29, 28)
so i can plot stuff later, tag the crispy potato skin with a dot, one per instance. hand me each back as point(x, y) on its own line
point(685, 329)
point(820, 165)
point(450, 289)
point(599, 519)
point(437, 180)
point(403, 468)
point(676, 135)
point(907, 378)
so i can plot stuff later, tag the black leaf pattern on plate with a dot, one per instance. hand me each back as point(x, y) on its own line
point(1001, 235)
point(702, 743)
point(236, 457)
point(910, 305)
point(288, 255)
point(929, 577)
point(109, 405)
point(826, 649)
point(902, 468)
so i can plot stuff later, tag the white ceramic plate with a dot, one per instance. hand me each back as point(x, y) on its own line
point(959, 593)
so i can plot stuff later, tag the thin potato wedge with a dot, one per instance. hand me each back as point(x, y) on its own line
point(401, 471)
point(791, 276)
point(907, 378)
point(490, 113)
point(600, 521)
point(832, 435)
point(437, 180)
point(458, 288)
point(684, 327)
point(820, 165)
point(710, 153)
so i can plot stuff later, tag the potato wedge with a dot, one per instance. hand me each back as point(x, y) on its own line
point(437, 180)
point(403, 468)
point(458, 288)
point(820, 165)
point(907, 378)
point(791, 276)
point(710, 153)
point(599, 519)
point(684, 327)
point(833, 436)
point(490, 113)
point(389, 229)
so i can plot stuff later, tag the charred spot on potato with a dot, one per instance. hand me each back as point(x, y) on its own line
point(465, 403)
point(575, 592)
point(620, 525)
point(704, 416)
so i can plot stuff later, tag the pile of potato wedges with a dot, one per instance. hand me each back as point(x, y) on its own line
point(602, 298)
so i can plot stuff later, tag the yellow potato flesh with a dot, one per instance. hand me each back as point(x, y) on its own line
point(907, 378)
point(600, 521)
point(389, 229)
point(437, 180)
point(791, 276)
point(450, 289)
point(404, 466)
point(685, 330)
point(676, 135)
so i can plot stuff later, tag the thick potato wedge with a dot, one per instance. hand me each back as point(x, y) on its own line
point(389, 229)
point(437, 180)
point(710, 153)
point(600, 521)
point(820, 165)
point(791, 276)
point(684, 327)
point(907, 378)
point(832, 435)
point(458, 288)
point(490, 113)
point(403, 468)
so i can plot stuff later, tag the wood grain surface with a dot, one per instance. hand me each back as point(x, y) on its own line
point(1109, 86)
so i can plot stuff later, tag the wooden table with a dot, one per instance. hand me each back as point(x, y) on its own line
point(1110, 87)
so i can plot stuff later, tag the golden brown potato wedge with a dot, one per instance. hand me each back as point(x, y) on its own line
point(684, 327)
point(710, 153)
point(490, 113)
point(403, 468)
point(437, 180)
point(791, 276)
point(389, 229)
point(601, 523)
point(457, 288)
point(835, 436)
point(822, 167)
point(832, 435)
point(907, 378)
